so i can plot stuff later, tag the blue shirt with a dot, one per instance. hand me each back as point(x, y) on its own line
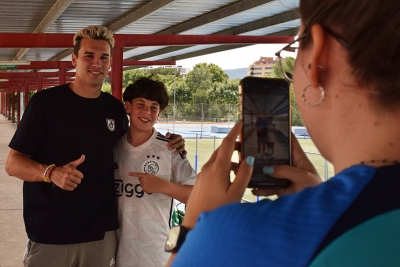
point(284, 232)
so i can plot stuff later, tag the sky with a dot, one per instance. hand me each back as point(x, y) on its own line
point(234, 58)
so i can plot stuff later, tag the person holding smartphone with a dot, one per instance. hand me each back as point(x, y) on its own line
point(347, 87)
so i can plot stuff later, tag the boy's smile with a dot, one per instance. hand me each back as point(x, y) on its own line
point(143, 114)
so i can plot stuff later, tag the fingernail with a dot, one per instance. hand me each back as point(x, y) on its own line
point(237, 121)
point(268, 169)
point(250, 160)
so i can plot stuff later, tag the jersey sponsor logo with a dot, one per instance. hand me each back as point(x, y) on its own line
point(128, 189)
point(110, 124)
point(151, 166)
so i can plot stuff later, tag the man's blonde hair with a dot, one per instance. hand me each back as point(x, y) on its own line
point(95, 33)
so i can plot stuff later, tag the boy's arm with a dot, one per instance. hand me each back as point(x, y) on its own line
point(153, 184)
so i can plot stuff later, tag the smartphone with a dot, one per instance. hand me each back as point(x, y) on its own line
point(266, 134)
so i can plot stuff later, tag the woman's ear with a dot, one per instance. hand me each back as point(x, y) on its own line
point(317, 36)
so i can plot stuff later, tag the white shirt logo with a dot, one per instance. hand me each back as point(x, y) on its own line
point(110, 124)
point(151, 167)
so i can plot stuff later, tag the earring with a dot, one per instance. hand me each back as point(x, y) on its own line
point(303, 96)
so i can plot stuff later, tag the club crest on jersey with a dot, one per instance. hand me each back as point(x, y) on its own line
point(151, 166)
point(110, 124)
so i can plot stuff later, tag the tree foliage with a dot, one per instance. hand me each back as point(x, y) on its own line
point(206, 91)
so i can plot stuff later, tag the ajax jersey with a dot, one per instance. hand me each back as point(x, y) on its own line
point(145, 218)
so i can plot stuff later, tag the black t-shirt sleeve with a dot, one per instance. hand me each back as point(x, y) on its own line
point(32, 132)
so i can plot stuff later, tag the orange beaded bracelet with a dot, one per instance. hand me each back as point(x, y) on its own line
point(45, 172)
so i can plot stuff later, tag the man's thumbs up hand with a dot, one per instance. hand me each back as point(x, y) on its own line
point(67, 177)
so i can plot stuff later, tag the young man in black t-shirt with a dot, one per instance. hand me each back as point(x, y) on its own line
point(63, 150)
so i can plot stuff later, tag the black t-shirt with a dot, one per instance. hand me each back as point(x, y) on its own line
point(57, 127)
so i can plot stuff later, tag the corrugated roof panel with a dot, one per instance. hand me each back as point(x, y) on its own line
point(176, 12)
point(16, 19)
point(276, 28)
point(8, 53)
point(141, 50)
point(270, 9)
point(83, 13)
point(42, 54)
point(260, 32)
point(24, 16)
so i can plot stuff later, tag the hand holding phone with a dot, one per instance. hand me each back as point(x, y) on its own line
point(265, 112)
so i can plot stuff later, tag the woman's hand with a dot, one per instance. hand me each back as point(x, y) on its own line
point(302, 174)
point(213, 187)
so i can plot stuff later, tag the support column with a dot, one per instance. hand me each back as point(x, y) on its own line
point(13, 106)
point(26, 95)
point(39, 82)
point(62, 71)
point(116, 72)
point(19, 105)
point(10, 94)
point(4, 98)
point(2, 102)
point(7, 103)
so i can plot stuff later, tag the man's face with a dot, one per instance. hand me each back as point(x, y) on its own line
point(93, 62)
point(143, 113)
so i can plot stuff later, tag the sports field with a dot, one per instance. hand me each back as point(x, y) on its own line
point(205, 148)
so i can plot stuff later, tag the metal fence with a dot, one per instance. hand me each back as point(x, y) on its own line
point(201, 146)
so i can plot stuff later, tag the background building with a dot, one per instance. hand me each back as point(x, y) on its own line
point(261, 67)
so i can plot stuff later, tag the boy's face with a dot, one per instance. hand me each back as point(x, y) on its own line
point(143, 113)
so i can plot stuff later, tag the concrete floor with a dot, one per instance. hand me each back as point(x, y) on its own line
point(12, 230)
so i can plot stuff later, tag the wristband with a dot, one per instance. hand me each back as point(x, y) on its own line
point(45, 171)
point(50, 172)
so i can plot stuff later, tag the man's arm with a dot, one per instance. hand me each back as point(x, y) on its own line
point(66, 177)
point(22, 166)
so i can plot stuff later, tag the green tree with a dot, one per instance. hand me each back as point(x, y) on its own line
point(199, 79)
point(226, 92)
point(218, 75)
point(106, 87)
point(130, 76)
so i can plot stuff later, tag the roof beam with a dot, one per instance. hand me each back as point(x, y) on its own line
point(35, 65)
point(214, 15)
point(152, 6)
point(139, 13)
point(291, 32)
point(52, 40)
point(135, 15)
point(251, 26)
point(55, 11)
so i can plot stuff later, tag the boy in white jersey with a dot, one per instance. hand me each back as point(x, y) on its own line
point(148, 179)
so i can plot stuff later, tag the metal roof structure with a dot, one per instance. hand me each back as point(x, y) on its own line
point(179, 17)
point(147, 32)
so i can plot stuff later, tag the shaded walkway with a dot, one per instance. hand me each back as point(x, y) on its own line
point(12, 230)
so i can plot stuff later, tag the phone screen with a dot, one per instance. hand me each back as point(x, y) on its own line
point(265, 112)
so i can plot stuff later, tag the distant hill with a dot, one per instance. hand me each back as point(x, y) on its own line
point(236, 73)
